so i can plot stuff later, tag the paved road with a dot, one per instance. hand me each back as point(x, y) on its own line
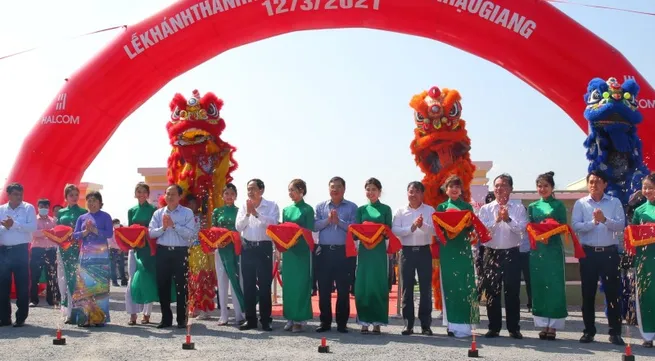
point(117, 341)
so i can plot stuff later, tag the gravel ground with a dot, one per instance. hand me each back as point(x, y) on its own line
point(117, 341)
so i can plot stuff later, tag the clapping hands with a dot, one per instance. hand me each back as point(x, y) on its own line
point(7, 223)
point(167, 222)
point(333, 217)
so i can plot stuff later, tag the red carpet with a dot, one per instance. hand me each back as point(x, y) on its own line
point(393, 297)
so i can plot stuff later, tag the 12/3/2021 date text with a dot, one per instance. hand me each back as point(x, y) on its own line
point(276, 7)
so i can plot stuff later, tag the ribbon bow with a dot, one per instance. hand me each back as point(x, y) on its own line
point(61, 235)
point(286, 235)
point(549, 227)
point(216, 237)
point(370, 234)
point(455, 221)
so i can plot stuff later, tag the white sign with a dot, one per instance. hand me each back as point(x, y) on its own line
point(497, 14)
point(181, 20)
point(61, 119)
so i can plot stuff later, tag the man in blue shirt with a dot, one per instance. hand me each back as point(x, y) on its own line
point(332, 220)
point(17, 222)
point(599, 220)
point(174, 227)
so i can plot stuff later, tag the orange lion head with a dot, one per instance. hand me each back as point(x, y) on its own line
point(437, 110)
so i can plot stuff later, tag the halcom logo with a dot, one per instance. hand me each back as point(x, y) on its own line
point(61, 102)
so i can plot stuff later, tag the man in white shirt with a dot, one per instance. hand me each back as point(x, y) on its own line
point(598, 220)
point(174, 227)
point(17, 222)
point(506, 221)
point(413, 225)
point(257, 254)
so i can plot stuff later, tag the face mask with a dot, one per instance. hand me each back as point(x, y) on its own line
point(43, 211)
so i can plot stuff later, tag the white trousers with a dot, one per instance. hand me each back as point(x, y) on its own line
point(223, 285)
point(131, 307)
point(556, 323)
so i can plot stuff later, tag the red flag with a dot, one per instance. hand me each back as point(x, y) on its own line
point(286, 235)
point(549, 227)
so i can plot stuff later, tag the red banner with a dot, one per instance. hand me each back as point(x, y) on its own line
point(215, 238)
point(370, 234)
point(455, 221)
point(549, 227)
point(61, 235)
point(286, 235)
point(638, 236)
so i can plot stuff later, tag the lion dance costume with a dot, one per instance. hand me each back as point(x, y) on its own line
point(202, 164)
point(613, 146)
point(441, 148)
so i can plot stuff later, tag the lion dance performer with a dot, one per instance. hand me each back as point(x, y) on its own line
point(441, 148)
point(614, 148)
point(202, 164)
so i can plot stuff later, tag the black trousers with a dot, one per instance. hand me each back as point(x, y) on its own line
point(172, 265)
point(417, 260)
point(14, 261)
point(117, 258)
point(314, 274)
point(332, 267)
point(257, 272)
point(502, 270)
point(525, 271)
point(479, 269)
point(39, 259)
point(601, 262)
point(352, 271)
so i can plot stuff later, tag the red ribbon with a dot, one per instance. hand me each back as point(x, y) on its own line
point(285, 235)
point(372, 233)
point(452, 218)
point(535, 230)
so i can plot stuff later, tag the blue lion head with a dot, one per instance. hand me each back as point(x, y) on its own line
point(612, 110)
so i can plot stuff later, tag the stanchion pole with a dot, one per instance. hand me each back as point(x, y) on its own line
point(399, 280)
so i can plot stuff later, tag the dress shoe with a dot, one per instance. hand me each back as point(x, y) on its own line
point(33, 304)
point(323, 328)
point(516, 335)
point(491, 334)
point(407, 331)
point(617, 340)
point(247, 326)
point(426, 332)
point(19, 323)
point(164, 325)
point(452, 334)
point(181, 325)
point(647, 344)
point(587, 338)
point(342, 329)
point(266, 327)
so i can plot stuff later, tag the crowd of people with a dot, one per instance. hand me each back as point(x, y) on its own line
point(78, 274)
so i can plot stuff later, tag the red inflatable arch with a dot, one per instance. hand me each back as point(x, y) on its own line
point(531, 39)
